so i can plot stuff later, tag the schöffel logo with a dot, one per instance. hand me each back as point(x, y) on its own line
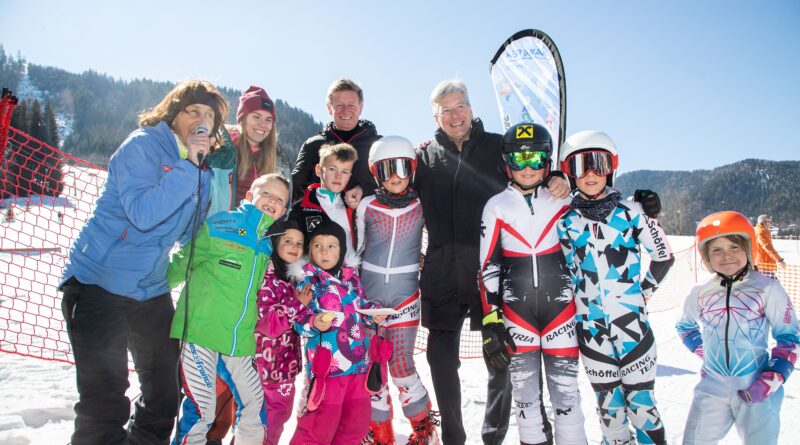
point(526, 53)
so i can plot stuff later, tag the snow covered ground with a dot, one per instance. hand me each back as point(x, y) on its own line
point(37, 395)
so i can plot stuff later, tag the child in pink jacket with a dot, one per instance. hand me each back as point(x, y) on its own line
point(278, 352)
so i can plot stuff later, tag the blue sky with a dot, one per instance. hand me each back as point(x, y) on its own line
point(679, 85)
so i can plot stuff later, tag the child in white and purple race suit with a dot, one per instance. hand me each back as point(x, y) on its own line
point(278, 351)
point(389, 236)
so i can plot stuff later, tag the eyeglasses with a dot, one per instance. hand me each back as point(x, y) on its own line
point(402, 167)
point(458, 109)
point(577, 165)
point(518, 160)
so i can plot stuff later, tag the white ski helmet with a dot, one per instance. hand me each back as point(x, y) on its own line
point(392, 147)
point(589, 141)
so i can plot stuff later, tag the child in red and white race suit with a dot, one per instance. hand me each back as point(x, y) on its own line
point(526, 293)
point(390, 240)
point(337, 407)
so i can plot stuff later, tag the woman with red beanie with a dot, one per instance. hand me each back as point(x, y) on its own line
point(248, 150)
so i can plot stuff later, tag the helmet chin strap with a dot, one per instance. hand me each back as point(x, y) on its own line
point(526, 188)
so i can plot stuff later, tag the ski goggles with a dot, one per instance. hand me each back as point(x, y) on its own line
point(518, 160)
point(402, 167)
point(577, 165)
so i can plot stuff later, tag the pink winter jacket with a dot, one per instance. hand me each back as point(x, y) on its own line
point(278, 351)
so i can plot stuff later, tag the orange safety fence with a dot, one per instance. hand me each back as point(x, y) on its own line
point(48, 195)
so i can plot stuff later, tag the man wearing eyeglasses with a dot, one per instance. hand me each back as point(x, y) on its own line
point(457, 174)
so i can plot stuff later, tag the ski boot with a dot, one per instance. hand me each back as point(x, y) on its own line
point(380, 433)
point(425, 429)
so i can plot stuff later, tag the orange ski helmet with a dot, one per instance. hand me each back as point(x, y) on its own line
point(725, 223)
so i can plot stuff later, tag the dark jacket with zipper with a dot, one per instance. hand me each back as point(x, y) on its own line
point(363, 136)
point(454, 187)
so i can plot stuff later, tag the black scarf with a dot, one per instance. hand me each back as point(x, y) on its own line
point(395, 201)
point(596, 209)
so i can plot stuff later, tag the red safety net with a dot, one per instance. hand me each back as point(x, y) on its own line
point(49, 195)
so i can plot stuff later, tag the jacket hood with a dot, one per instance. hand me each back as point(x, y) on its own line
point(295, 270)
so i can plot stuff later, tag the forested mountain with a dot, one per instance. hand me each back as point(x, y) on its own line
point(101, 111)
point(751, 187)
point(98, 112)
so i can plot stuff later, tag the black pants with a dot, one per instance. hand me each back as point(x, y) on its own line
point(443, 359)
point(102, 327)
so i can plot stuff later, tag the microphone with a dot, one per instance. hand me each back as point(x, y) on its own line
point(198, 130)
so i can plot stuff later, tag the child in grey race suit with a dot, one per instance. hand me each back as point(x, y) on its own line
point(390, 240)
point(601, 236)
point(526, 292)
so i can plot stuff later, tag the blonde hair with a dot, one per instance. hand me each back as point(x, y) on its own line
point(268, 162)
point(343, 153)
point(263, 179)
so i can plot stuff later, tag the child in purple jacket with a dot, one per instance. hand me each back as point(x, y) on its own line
point(278, 352)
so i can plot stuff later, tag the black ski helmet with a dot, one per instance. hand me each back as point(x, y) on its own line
point(527, 136)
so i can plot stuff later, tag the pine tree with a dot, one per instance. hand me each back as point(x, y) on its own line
point(52, 126)
point(19, 118)
point(38, 128)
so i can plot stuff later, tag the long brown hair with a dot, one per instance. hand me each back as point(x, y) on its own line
point(267, 162)
point(183, 95)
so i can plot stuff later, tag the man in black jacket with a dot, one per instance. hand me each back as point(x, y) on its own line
point(345, 102)
point(456, 175)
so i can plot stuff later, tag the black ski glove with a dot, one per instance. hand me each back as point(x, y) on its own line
point(496, 339)
point(651, 203)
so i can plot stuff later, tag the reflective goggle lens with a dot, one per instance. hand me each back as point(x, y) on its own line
point(518, 160)
point(579, 164)
point(397, 166)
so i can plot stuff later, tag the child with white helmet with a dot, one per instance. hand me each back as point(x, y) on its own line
point(389, 235)
point(601, 236)
point(740, 383)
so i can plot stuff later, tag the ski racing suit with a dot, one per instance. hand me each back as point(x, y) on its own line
point(523, 272)
point(390, 240)
point(616, 343)
point(736, 317)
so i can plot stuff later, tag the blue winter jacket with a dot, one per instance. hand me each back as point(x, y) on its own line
point(147, 206)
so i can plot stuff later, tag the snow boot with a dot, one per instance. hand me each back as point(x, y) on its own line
point(425, 429)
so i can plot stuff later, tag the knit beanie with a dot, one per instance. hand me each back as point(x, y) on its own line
point(255, 98)
point(328, 227)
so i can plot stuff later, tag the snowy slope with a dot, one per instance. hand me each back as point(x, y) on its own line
point(37, 395)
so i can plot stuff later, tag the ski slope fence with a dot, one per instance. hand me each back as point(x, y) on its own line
point(37, 230)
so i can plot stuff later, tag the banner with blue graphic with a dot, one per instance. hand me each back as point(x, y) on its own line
point(528, 79)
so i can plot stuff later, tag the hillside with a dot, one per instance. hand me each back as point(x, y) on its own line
point(100, 111)
point(751, 186)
